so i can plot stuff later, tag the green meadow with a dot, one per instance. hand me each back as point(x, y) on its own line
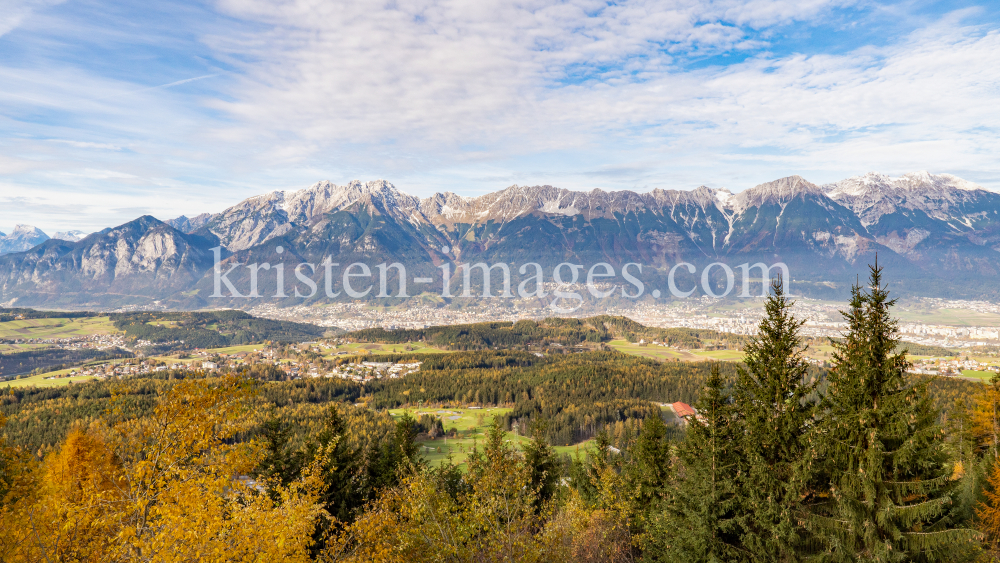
point(56, 328)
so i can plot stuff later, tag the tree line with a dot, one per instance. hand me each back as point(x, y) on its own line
point(214, 329)
point(561, 331)
point(777, 465)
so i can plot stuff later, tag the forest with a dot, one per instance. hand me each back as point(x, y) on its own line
point(49, 359)
point(565, 332)
point(782, 462)
point(214, 329)
point(11, 314)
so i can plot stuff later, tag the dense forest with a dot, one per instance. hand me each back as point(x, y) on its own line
point(565, 332)
point(13, 363)
point(214, 329)
point(783, 461)
point(12, 314)
point(576, 394)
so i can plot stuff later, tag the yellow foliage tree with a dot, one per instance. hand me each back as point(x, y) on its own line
point(18, 486)
point(169, 487)
point(986, 418)
point(988, 512)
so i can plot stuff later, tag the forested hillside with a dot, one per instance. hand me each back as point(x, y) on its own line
point(52, 358)
point(211, 329)
point(782, 460)
point(565, 332)
point(11, 314)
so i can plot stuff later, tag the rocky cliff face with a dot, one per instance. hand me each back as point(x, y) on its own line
point(23, 238)
point(939, 235)
point(141, 260)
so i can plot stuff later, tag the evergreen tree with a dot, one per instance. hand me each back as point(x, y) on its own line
point(699, 524)
point(770, 403)
point(651, 456)
point(880, 450)
point(282, 463)
point(543, 464)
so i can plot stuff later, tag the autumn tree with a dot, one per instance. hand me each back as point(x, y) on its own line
point(493, 519)
point(170, 486)
point(18, 492)
point(986, 418)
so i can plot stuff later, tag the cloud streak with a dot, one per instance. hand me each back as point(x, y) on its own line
point(470, 96)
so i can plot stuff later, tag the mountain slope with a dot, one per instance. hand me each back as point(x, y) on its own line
point(937, 234)
point(23, 238)
point(139, 261)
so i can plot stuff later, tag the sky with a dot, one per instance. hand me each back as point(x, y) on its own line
point(114, 109)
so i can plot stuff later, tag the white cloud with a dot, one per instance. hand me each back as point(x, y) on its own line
point(458, 72)
point(473, 96)
point(14, 12)
point(436, 78)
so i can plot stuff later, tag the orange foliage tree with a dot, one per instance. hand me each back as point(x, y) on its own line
point(167, 487)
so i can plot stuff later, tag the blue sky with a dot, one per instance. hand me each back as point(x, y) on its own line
point(110, 110)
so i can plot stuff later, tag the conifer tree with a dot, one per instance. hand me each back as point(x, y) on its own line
point(880, 449)
point(699, 524)
point(651, 466)
point(771, 407)
point(541, 461)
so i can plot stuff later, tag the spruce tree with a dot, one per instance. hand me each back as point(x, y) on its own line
point(880, 450)
point(650, 467)
point(770, 400)
point(699, 522)
point(543, 465)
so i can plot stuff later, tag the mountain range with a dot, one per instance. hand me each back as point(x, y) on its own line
point(936, 234)
point(26, 237)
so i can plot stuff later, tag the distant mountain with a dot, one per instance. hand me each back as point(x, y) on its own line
point(138, 262)
point(186, 225)
point(71, 236)
point(23, 238)
point(937, 235)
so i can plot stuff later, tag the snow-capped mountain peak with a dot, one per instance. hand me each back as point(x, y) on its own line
point(70, 236)
point(22, 238)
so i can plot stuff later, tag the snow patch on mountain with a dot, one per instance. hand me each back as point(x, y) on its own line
point(70, 236)
point(24, 237)
point(941, 196)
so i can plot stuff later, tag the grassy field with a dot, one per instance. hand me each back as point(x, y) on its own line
point(11, 348)
point(362, 348)
point(470, 424)
point(664, 354)
point(56, 328)
point(981, 375)
point(235, 349)
point(46, 380)
point(949, 317)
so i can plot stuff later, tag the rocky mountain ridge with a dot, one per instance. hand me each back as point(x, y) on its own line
point(938, 232)
point(22, 238)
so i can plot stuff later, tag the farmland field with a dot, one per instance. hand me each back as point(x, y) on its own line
point(235, 349)
point(950, 317)
point(663, 353)
point(471, 425)
point(362, 348)
point(56, 328)
point(46, 380)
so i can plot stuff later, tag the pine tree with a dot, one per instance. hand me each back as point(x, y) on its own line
point(699, 523)
point(651, 466)
point(770, 402)
point(880, 450)
point(543, 464)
